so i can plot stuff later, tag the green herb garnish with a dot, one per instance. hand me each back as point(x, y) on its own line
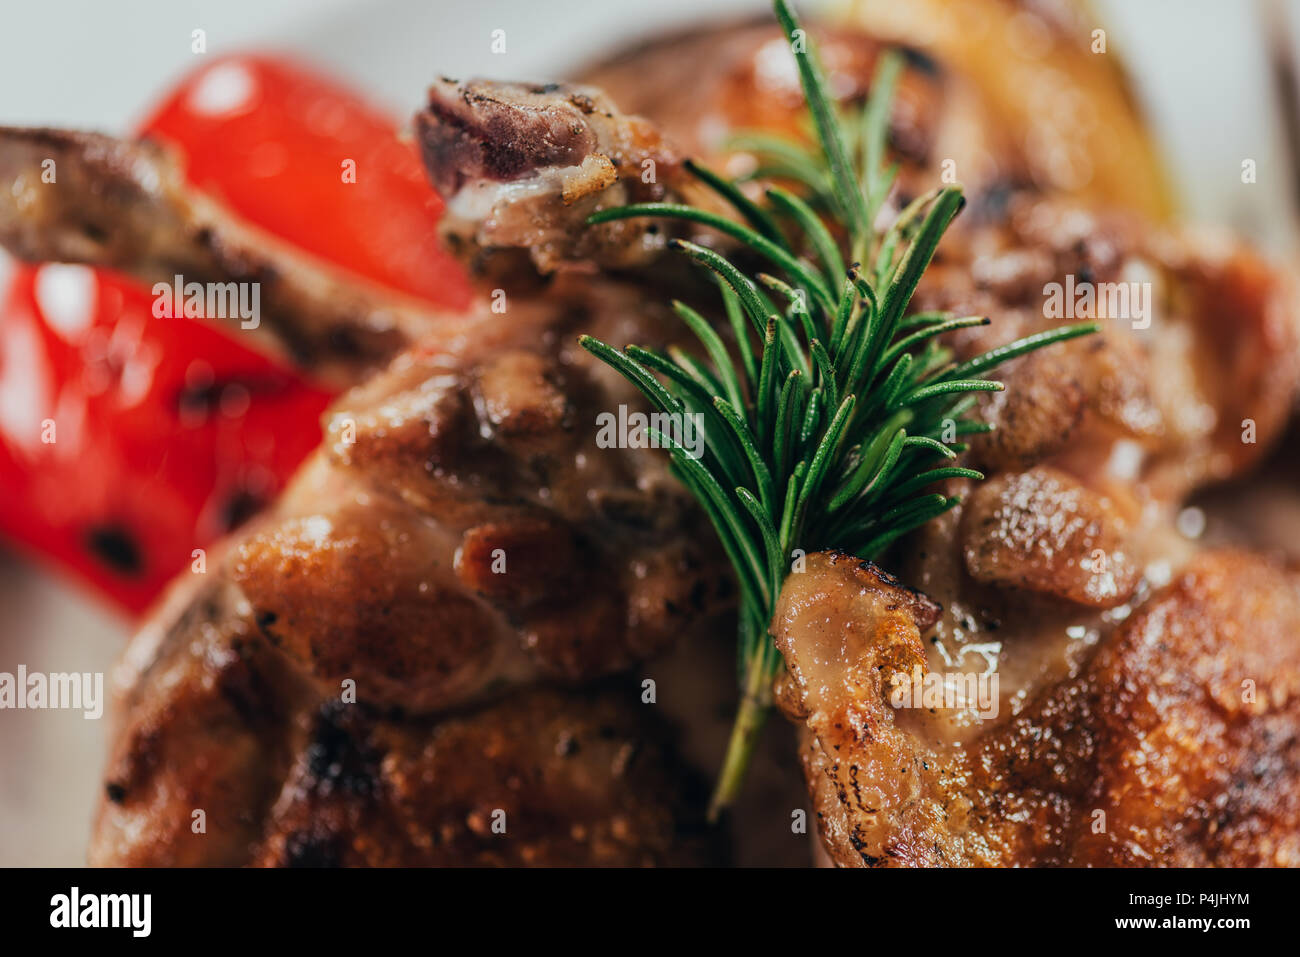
point(827, 427)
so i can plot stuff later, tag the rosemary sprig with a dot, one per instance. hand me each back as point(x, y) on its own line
point(828, 427)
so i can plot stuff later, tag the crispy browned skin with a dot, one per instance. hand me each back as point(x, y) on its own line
point(354, 678)
point(495, 540)
point(216, 722)
point(1048, 86)
point(1182, 730)
point(1040, 529)
point(460, 537)
point(1220, 349)
point(125, 204)
point(542, 778)
point(1121, 647)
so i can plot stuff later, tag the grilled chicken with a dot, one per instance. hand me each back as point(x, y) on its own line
point(458, 542)
point(459, 539)
point(399, 658)
point(1064, 571)
point(227, 756)
point(1170, 740)
point(1195, 374)
point(1146, 710)
point(708, 86)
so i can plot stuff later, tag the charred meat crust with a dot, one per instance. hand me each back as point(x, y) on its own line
point(542, 778)
point(458, 541)
point(1180, 731)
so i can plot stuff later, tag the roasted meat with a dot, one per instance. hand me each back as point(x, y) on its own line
point(1171, 740)
point(709, 85)
point(125, 204)
point(459, 537)
point(523, 166)
point(1193, 372)
point(415, 657)
point(999, 95)
point(1145, 710)
point(227, 756)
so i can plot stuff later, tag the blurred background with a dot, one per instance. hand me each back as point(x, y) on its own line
point(1201, 69)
